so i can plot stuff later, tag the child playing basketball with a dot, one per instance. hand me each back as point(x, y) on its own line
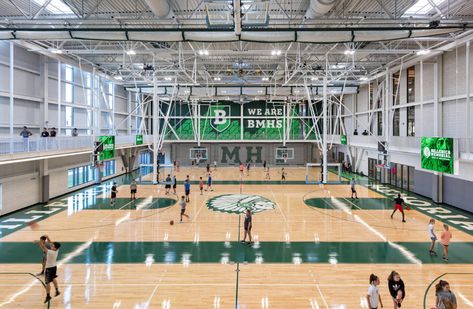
point(201, 186)
point(248, 166)
point(445, 240)
point(373, 297)
point(267, 173)
point(432, 236)
point(174, 184)
point(167, 186)
point(133, 189)
point(398, 201)
point(241, 168)
point(183, 204)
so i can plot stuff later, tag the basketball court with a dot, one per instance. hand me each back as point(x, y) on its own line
point(313, 246)
point(319, 143)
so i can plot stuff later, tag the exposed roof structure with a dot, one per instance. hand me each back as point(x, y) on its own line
point(244, 42)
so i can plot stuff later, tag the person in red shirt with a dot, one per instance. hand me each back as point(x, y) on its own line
point(201, 186)
point(398, 206)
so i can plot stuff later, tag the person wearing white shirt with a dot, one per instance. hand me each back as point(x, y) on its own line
point(432, 236)
point(50, 272)
point(373, 297)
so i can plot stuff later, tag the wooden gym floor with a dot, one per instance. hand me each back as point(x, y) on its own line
point(314, 246)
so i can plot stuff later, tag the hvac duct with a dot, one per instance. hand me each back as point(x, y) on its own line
point(319, 8)
point(160, 8)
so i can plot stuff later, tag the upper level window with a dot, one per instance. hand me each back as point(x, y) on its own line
point(411, 84)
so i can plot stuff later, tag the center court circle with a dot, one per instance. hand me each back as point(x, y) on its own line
point(239, 203)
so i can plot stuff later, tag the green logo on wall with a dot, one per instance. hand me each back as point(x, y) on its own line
point(108, 143)
point(437, 154)
point(343, 139)
point(239, 203)
point(219, 120)
point(139, 139)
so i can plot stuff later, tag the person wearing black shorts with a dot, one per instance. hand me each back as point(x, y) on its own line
point(133, 189)
point(208, 167)
point(50, 273)
point(167, 186)
point(187, 189)
point(283, 175)
point(353, 188)
point(113, 193)
point(264, 166)
point(248, 224)
point(43, 239)
point(174, 184)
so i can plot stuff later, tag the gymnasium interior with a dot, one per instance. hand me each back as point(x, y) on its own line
point(236, 154)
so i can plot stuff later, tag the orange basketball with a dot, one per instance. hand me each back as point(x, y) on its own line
point(33, 225)
point(171, 222)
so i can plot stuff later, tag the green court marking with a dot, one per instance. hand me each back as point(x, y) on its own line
point(354, 204)
point(455, 217)
point(83, 199)
point(126, 203)
point(264, 252)
point(239, 203)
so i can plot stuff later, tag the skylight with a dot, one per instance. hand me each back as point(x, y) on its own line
point(422, 7)
point(55, 7)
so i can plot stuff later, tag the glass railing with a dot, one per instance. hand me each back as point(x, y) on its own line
point(59, 143)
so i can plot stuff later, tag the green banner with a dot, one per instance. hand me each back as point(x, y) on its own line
point(437, 154)
point(139, 139)
point(108, 144)
point(343, 139)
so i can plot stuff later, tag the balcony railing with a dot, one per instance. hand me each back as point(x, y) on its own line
point(60, 143)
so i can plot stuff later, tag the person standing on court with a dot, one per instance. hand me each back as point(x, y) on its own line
point(208, 167)
point(432, 236)
point(353, 188)
point(50, 272)
point(398, 202)
point(264, 166)
point(133, 189)
point(445, 238)
point(113, 194)
point(43, 239)
point(241, 168)
point(167, 182)
point(201, 186)
point(183, 204)
point(174, 184)
point(373, 298)
point(209, 183)
point(247, 225)
point(187, 189)
point(396, 288)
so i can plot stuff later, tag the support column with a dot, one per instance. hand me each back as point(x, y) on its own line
point(11, 88)
point(324, 132)
point(437, 183)
point(45, 74)
point(59, 99)
point(129, 109)
point(468, 107)
point(155, 131)
point(421, 131)
point(44, 180)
